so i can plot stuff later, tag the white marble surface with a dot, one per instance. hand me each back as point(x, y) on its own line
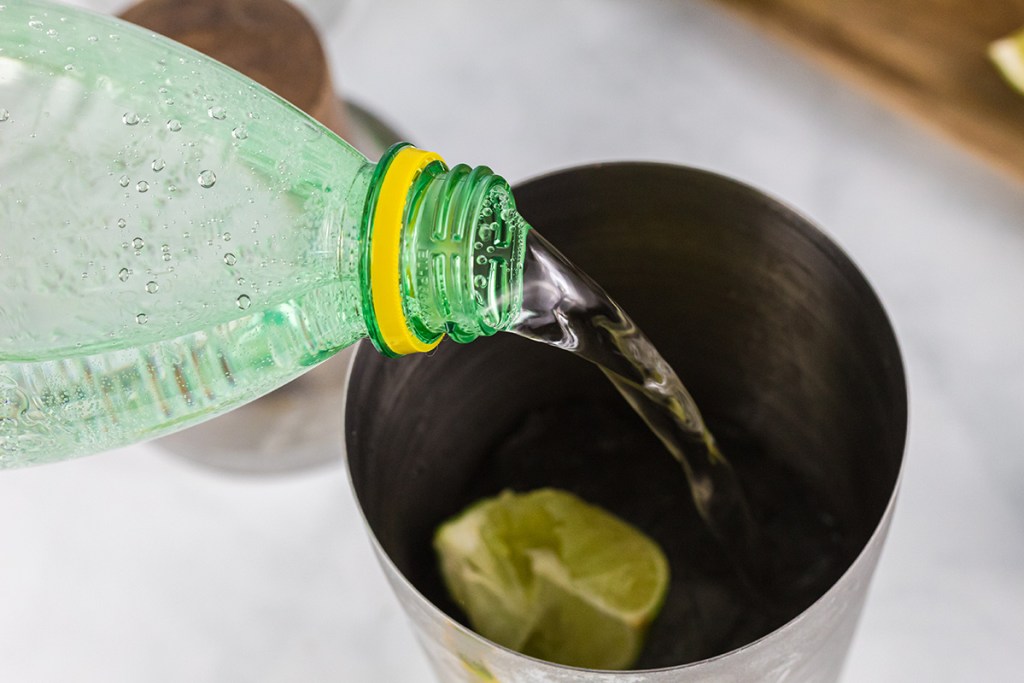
point(134, 566)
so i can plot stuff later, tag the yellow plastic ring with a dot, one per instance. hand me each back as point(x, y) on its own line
point(385, 251)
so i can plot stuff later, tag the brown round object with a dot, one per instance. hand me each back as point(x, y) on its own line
point(270, 41)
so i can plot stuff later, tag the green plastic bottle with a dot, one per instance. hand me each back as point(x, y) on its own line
point(177, 240)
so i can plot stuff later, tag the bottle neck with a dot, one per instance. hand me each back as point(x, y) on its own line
point(458, 260)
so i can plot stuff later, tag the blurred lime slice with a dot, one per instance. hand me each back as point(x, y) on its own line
point(553, 577)
point(1008, 55)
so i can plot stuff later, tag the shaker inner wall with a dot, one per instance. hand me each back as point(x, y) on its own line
point(776, 334)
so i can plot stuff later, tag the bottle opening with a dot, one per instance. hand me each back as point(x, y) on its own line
point(443, 253)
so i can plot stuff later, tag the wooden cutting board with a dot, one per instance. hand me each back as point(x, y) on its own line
point(925, 57)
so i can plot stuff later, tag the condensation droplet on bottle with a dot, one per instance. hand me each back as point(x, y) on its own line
point(207, 178)
point(69, 67)
point(158, 165)
point(240, 133)
point(230, 259)
point(243, 301)
point(174, 125)
point(480, 281)
point(226, 237)
point(93, 39)
point(152, 287)
point(36, 24)
point(138, 243)
point(121, 223)
point(4, 115)
point(130, 118)
point(141, 318)
point(124, 181)
point(217, 113)
point(142, 186)
point(123, 274)
point(240, 281)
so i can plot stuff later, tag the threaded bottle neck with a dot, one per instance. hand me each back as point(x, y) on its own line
point(460, 265)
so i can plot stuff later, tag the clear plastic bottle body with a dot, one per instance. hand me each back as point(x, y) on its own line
point(176, 240)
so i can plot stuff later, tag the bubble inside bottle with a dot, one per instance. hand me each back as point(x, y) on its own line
point(207, 178)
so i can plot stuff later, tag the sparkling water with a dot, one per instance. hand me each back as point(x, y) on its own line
point(754, 548)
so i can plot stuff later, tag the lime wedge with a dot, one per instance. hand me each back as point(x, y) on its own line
point(1008, 55)
point(553, 577)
